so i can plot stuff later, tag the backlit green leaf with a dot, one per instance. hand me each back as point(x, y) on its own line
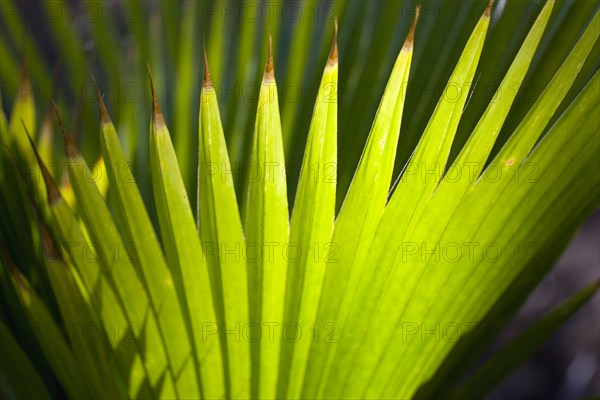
point(185, 255)
point(223, 240)
point(267, 231)
point(310, 246)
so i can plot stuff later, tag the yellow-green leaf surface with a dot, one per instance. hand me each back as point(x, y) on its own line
point(101, 176)
point(464, 171)
point(531, 128)
point(479, 145)
point(311, 227)
point(23, 119)
point(184, 253)
point(505, 253)
point(126, 340)
point(223, 241)
point(360, 212)
point(101, 296)
point(429, 220)
point(119, 259)
point(23, 112)
point(441, 206)
point(267, 231)
point(354, 364)
point(427, 280)
point(77, 315)
point(44, 142)
point(75, 311)
point(479, 161)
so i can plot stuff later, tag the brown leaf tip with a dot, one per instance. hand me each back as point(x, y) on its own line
point(51, 251)
point(25, 84)
point(270, 68)
point(104, 117)
point(488, 11)
point(12, 268)
point(207, 81)
point(157, 117)
point(51, 189)
point(410, 39)
point(333, 53)
point(24, 73)
point(70, 148)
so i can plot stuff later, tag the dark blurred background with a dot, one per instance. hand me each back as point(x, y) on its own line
point(568, 366)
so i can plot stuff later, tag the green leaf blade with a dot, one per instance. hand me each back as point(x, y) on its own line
point(267, 226)
point(489, 218)
point(118, 258)
point(101, 296)
point(360, 212)
point(184, 253)
point(310, 233)
point(223, 240)
point(356, 364)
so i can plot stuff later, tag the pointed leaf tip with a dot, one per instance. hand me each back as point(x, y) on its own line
point(52, 191)
point(333, 54)
point(24, 70)
point(207, 81)
point(488, 10)
point(270, 68)
point(104, 117)
point(410, 38)
point(70, 149)
point(49, 246)
point(157, 117)
point(12, 268)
